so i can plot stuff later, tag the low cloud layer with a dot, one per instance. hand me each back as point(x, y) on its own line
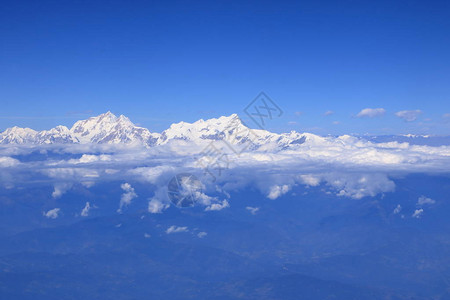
point(346, 166)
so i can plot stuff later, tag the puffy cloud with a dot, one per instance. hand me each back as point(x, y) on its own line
point(60, 189)
point(310, 179)
point(398, 209)
point(86, 209)
point(371, 112)
point(52, 213)
point(424, 200)
point(218, 206)
point(278, 190)
point(153, 174)
point(203, 199)
point(408, 115)
point(6, 162)
point(126, 197)
point(160, 201)
point(252, 210)
point(358, 186)
point(155, 206)
point(202, 234)
point(176, 229)
point(417, 213)
point(328, 113)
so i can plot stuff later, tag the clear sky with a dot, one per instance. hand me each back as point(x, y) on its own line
point(160, 62)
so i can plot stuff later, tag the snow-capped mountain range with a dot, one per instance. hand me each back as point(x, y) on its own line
point(107, 128)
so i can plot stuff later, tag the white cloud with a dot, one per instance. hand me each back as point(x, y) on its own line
point(86, 209)
point(6, 162)
point(52, 213)
point(371, 112)
point(89, 158)
point(200, 197)
point(358, 186)
point(155, 206)
point(218, 206)
point(346, 165)
point(147, 236)
point(398, 209)
point(252, 210)
point(408, 115)
point(417, 213)
point(60, 189)
point(202, 234)
point(278, 190)
point(126, 197)
point(424, 200)
point(176, 229)
point(88, 184)
point(153, 174)
point(328, 113)
point(310, 179)
point(59, 171)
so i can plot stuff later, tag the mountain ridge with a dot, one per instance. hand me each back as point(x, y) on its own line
point(107, 128)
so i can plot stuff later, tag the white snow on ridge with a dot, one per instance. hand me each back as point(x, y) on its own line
point(107, 128)
point(17, 135)
point(59, 134)
point(110, 129)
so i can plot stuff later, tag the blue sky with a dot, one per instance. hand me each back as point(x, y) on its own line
point(160, 62)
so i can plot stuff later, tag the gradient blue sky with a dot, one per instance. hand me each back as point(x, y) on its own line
point(160, 62)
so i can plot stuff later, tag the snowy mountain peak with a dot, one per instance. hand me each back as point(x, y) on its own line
point(108, 128)
point(225, 121)
point(59, 134)
point(17, 135)
point(19, 130)
point(201, 130)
